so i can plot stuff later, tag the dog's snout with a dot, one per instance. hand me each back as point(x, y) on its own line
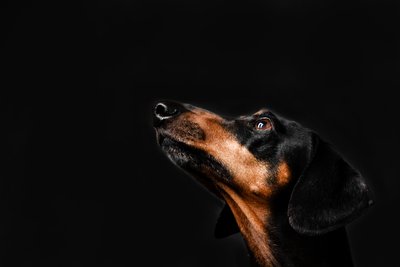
point(166, 110)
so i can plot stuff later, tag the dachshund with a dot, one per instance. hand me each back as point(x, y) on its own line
point(287, 191)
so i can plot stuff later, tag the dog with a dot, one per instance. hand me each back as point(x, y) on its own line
point(287, 191)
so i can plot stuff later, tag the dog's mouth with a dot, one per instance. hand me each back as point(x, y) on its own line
point(193, 160)
point(178, 152)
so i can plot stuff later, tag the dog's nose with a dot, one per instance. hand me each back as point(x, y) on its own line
point(166, 110)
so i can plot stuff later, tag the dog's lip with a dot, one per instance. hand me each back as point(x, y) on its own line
point(164, 139)
point(159, 137)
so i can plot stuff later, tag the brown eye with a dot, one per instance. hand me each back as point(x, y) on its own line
point(263, 124)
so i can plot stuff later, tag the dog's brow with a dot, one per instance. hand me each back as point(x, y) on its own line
point(243, 117)
point(264, 114)
point(261, 111)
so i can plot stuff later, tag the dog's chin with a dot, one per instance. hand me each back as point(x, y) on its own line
point(176, 151)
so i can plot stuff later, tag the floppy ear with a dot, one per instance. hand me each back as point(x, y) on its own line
point(329, 194)
point(226, 224)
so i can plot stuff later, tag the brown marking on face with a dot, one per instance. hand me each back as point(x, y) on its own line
point(283, 174)
point(249, 174)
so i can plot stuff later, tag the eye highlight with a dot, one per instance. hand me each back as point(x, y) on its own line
point(263, 124)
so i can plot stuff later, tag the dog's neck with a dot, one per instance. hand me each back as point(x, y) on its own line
point(251, 217)
point(273, 243)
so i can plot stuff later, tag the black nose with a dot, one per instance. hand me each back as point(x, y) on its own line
point(166, 110)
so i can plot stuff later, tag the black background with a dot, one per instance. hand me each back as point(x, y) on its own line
point(84, 183)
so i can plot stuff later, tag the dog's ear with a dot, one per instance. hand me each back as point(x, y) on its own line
point(329, 194)
point(226, 224)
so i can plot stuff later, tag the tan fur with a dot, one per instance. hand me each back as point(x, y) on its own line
point(251, 217)
point(283, 175)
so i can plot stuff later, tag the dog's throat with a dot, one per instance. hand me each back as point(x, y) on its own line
point(251, 217)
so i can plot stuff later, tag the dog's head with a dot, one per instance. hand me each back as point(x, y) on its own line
point(259, 156)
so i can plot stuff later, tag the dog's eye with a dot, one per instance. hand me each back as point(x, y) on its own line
point(263, 124)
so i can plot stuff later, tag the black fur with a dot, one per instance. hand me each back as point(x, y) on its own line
point(308, 215)
point(329, 194)
point(226, 224)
